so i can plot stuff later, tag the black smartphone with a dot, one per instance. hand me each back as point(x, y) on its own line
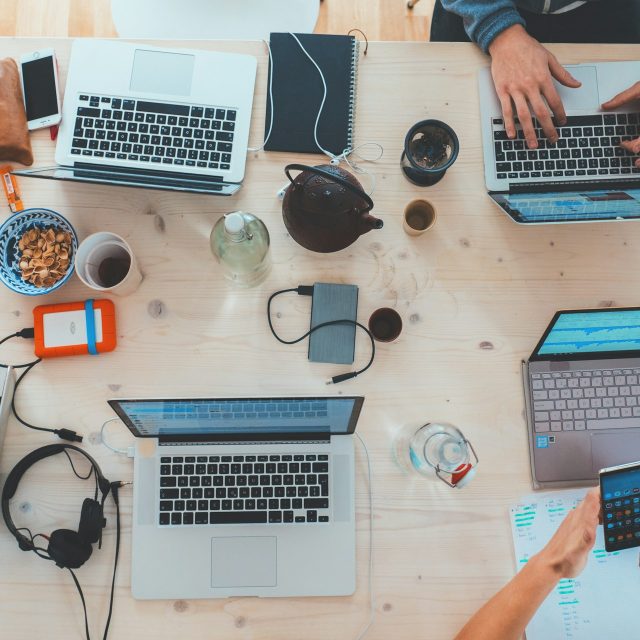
point(620, 495)
point(39, 73)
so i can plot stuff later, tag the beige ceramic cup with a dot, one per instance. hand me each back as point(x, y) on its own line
point(419, 216)
point(106, 263)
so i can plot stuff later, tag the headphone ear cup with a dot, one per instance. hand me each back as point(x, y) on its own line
point(91, 521)
point(68, 549)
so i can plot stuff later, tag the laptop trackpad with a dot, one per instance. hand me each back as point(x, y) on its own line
point(585, 96)
point(244, 562)
point(611, 449)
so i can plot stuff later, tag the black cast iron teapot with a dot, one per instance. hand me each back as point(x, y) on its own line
point(325, 208)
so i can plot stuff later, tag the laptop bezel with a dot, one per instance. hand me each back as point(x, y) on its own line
point(593, 355)
point(240, 437)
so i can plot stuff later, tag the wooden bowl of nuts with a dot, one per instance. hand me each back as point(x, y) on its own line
point(37, 251)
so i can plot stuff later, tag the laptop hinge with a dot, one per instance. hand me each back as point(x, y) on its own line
point(245, 438)
point(140, 173)
point(585, 185)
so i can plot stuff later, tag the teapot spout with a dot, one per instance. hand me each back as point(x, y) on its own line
point(369, 222)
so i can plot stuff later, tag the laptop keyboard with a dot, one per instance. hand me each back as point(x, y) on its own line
point(588, 146)
point(159, 133)
point(579, 400)
point(244, 489)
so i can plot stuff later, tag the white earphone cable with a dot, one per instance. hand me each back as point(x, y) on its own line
point(324, 98)
point(122, 452)
point(372, 600)
point(335, 159)
point(266, 138)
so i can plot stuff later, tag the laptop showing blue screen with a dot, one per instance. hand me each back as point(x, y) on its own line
point(582, 393)
point(571, 206)
point(589, 333)
point(238, 417)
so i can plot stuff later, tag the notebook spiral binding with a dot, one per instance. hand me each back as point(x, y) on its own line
point(353, 91)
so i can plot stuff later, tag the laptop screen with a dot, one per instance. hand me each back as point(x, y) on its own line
point(571, 206)
point(591, 334)
point(239, 417)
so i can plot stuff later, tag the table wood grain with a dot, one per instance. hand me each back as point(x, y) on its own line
point(475, 294)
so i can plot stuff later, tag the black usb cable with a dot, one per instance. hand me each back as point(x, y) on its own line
point(307, 290)
point(64, 434)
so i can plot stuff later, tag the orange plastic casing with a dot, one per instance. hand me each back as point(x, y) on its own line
point(108, 342)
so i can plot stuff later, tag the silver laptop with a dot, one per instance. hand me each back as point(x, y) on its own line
point(141, 116)
point(243, 497)
point(586, 176)
point(582, 391)
point(7, 386)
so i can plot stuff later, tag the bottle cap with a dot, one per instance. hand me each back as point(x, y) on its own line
point(234, 223)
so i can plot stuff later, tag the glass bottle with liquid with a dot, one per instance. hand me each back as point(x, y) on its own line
point(240, 243)
point(437, 450)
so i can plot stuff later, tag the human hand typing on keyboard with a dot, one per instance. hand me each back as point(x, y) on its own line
point(523, 72)
point(632, 94)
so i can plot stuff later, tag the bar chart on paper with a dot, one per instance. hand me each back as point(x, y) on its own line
point(602, 602)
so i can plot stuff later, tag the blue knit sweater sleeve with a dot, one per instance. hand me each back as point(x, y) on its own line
point(484, 19)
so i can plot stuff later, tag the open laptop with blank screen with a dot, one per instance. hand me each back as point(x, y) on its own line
point(582, 392)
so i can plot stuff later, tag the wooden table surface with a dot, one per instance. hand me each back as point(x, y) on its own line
point(475, 294)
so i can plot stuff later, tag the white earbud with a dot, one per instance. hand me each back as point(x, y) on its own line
point(283, 190)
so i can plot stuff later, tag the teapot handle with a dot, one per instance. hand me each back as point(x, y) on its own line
point(333, 178)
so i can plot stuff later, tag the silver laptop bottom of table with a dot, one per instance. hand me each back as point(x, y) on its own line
point(243, 496)
point(270, 559)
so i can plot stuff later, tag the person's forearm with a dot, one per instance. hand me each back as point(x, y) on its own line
point(484, 19)
point(507, 614)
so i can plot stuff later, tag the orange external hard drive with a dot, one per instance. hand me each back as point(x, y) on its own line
point(74, 328)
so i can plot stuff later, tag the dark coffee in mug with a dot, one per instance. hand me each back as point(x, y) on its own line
point(385, 324)
point(113, 270)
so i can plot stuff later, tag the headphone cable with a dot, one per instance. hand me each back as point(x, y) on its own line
point(116, 498)
point(84, 604)
point(63, 434)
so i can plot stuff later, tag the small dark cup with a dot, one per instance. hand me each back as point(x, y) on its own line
point(385, 324)
point(430, 148)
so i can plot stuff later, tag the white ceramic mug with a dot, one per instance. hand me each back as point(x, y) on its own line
point(90, 264)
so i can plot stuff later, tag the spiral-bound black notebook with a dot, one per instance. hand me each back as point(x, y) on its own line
point(297, 92)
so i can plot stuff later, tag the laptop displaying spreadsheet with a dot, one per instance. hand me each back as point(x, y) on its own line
point(156, 418)
point(571, 206)
point(592, 332)
point(582, 393)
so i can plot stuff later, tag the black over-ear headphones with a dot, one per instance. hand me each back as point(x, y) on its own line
point(69, 549)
